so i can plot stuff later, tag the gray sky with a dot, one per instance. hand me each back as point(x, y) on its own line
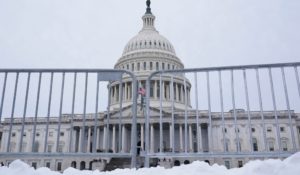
point(93, 33)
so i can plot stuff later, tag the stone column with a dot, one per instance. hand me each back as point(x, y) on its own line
point(200, 139)
point(80, 140)
point(104, 138)
point(142, 137)
point(125, 92)
point(114, 139)
point(176, 92)
point(171, 136)
point(89, 139)
point(180, 138)
point(155, 90)
point(191, 138)
point(97, 138)
point(123, 139)
point(163, 90)
point(151, 138)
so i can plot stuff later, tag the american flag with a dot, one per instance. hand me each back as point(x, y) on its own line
point(142, 91)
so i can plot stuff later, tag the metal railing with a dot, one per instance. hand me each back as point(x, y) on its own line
point(56, 112)
point(261, 121)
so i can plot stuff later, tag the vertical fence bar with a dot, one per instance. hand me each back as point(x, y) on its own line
point(248, 109)
point(197, 111)
point(161, 95)
point(134, 118)
point(12, 112)
point(261, 109)
point(234, 113)
point(36, 107)
point(84, 113)
point(147, 140)
point(172, 108)
point(96, 117)
point(60, 111)
point(3, 95)
point(108, 118)
point(297, 80)
point(288, 108)
point(209, 112)
point(73, 108)
point(222, 109)
point(185, 117)
point(24, 112)
point(121, 113)
point(48, 113)
point(275, 108)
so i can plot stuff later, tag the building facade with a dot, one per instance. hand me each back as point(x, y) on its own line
point(144, 54)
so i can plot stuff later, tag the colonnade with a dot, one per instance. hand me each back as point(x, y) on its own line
point(179, 91)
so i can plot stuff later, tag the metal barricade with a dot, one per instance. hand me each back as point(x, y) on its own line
point(223, 112)
point(56, 113)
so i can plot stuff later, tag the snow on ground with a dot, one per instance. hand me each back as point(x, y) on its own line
point(289, 166)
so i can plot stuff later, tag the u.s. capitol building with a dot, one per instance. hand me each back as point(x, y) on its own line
point(145, 53)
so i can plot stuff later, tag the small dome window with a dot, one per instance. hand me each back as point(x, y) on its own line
point(150, 43)
point(154, 43)
point(159, 44)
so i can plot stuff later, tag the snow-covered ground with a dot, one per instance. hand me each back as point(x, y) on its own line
point(289, 166)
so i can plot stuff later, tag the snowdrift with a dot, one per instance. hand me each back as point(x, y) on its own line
point(289, 166)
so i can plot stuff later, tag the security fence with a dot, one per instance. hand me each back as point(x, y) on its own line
point(211, 114)
point(56, 113)
point(222, 113)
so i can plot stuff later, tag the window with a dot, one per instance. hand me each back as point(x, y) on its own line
point(49, 148)
point(58, 168)
point(48, 164)
point(132, 66)
point(60, 148)
point(34, 164)
point(24, 134)
point(255, 146)
point(151, 65)
point(62, 133)
point(227, 164)
point(238, 146)
point(237, 130)
point(138, 66)
point(24, 147)
point(253, 129)
point(145, 65)
point(127, 66)
point(36, 146)
point(282, 129)
point(271, 145)
point(13, 134)
point(173, 67)
point(163, 66)
point(269, 129)
point(225, 130)
point(227, 145)
point(168, 66)
point(240, 163)
point(37, 134)
point(157, 65)
point(152, 89)
point(284, 145)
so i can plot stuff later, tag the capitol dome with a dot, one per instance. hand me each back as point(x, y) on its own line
point(144, 54)
point(148, 39)
point(149, 44)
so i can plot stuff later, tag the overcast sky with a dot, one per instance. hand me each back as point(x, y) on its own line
point(93, 33)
